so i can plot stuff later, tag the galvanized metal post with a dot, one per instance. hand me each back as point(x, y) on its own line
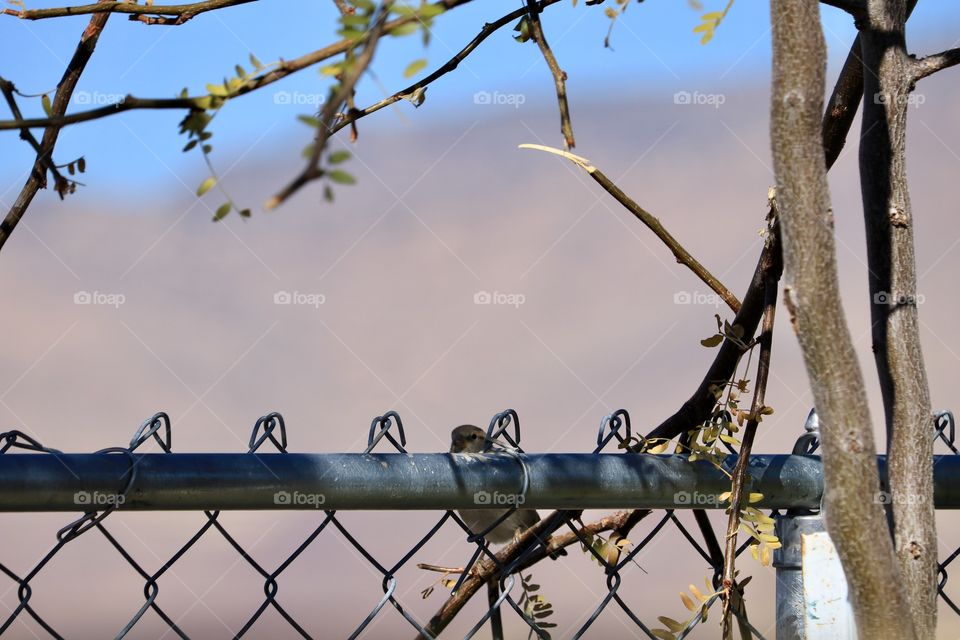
point(811, 596)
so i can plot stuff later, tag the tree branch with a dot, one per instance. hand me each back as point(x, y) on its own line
point(679, 252)
point(924, 67)
point(174, 14)
point(284, 69)
point(856, 8)
point(737, 502)
point(559, 75)
point(38, 176)
point(812, 298)
point(415, 90)
point(486, 570)
point(331, 109)
point(895, 324)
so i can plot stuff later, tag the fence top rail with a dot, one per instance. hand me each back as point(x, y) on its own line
point(395, 481)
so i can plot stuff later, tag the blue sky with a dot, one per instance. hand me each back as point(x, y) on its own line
point(654, 49)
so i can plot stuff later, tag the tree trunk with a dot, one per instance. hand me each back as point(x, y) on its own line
point(893, 310)
point(812, 297)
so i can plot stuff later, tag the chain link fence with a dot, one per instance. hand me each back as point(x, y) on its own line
point(513, 593)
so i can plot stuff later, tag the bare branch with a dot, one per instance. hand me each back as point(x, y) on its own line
point(924, 67)
point(679, 252)
point(38, 176)
point(812, 297)
point(148, 14)
point(559, 75)
point(174, 14)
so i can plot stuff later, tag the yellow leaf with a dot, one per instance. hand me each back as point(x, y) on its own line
point(755, 497)
point(414, 67)
point(687, 602)
point(663, 634)
point(206, 185)
point(671, 624)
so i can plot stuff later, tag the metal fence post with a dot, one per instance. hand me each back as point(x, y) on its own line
point(811, 589)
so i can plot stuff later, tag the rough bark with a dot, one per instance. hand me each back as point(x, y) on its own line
point(893, 310)
point(812, 297)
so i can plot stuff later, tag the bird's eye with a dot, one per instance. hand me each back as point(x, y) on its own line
point(473, 436)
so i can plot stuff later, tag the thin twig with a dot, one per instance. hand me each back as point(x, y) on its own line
point(679, 252)
point(837, 119)
point(743, 458)
point(415, 90)
point(344, 8)
point(173, 14)
point(38, 176)
point(331, 108)
point(283, 69)
point(62, 184)
point(559, 75)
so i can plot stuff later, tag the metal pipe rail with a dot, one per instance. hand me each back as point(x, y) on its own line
point(394, 481)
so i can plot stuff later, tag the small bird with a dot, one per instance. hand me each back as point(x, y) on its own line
point(470, 439)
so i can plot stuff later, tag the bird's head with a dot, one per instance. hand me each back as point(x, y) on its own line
point(468, 439)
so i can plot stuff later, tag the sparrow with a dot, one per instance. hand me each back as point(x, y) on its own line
point(470, 439)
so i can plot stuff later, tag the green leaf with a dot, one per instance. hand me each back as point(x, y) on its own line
point(366, 5)
point(222, 211)
point(355, 21)
point(47, 107)
point(431, 10)
point(82, 166)
point(414, 68)
point(190, 145)
point(245, 213)
point(712, 341)
point(240, 72)
point(336, 157)
point(217, 90)
point(341, 177)
point(310, 121)
point(206, 185)
point(405, 29)
point(327, 193)
point(70, 169)
point(331, 69)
